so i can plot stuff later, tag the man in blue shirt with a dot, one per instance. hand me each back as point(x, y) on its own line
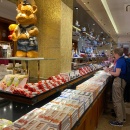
point(118, 87)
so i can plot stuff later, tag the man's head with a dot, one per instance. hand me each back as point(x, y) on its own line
point(118, 52)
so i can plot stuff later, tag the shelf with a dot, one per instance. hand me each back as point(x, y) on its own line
point(33, 100)
point(38, 98)
point(26, 58)
point(77, 57)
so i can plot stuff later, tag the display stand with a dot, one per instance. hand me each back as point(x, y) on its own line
point(81, 61)
point(89, 120)
point(26, 59)
point(38, 98)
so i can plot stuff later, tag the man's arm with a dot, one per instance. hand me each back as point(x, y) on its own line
point(117, 73)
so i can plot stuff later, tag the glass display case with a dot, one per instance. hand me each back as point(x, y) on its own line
point(26, 60)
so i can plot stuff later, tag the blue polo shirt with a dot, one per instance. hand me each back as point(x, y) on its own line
point(120, 63)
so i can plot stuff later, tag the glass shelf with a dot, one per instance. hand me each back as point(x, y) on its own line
point(26, 58)
point(77, 57)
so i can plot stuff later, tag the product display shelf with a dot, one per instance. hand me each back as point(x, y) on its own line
point(81, 61)
point(26, 59)
point(81, 78)
point(89, 120)
point(38, 98)
point(77, 57)
point(33, 100)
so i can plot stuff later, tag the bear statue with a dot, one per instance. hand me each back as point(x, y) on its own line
point(26, 31)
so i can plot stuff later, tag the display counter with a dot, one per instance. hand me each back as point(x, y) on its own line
point(90, 118)
point(26, 60)
point(38, 98)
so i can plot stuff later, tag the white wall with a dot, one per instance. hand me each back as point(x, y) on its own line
point(125, 41)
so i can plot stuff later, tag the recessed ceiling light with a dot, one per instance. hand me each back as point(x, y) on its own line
point(76, 8)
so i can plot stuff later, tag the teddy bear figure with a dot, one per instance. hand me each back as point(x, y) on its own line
point(26, 31)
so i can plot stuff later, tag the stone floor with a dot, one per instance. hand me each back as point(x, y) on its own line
point(106, 117)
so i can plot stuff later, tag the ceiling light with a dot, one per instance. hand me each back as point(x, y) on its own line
point(4, 109)
point(104, 2)
point(76, 8)
point(10, 106)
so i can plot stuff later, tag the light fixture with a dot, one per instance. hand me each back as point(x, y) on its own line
point(77, 16)
point(5, 109)
point(10, 106)
point(76, 8)
point(104, 2)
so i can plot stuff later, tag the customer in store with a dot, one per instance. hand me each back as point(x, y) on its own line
point(118, 87)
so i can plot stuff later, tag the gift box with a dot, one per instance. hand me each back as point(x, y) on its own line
point(40, 126)
point(26, 118)
point(60, 121)
point(71, 112)
point(30, 125)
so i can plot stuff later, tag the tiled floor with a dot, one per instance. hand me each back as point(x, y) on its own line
point(106, 117)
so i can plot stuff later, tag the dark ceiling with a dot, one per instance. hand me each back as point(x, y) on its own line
point(85, 20)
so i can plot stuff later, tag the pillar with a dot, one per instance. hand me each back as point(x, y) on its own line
point(55, 18)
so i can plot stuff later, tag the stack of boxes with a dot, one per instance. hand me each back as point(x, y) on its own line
point(64, 111)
